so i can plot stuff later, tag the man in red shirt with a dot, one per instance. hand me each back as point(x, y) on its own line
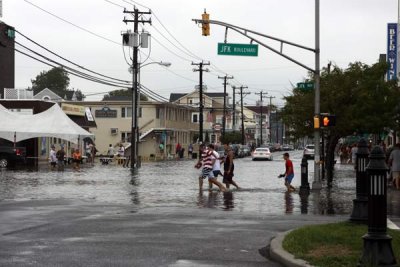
point(289, 173)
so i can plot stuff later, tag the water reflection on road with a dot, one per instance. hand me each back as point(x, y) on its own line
point(175, 184)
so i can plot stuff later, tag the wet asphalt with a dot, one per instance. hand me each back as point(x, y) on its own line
point(109, 216)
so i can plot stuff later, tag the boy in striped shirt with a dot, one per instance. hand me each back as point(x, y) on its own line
point(207, 159)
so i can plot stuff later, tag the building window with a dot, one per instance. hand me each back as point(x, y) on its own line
point(195, 117)
point(126, 112)
point(125, 136)
point(157, 113)
point(218, 119)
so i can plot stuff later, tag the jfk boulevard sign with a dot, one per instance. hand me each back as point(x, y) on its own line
point(227, 49)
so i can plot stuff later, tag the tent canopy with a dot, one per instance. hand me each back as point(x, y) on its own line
point(50, 123)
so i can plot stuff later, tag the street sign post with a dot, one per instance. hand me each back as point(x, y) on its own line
point(306, 85)
point(227, 49)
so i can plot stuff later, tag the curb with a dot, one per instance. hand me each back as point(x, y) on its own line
point(278, 254)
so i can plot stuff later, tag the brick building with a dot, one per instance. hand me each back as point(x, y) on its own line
point(7, 58)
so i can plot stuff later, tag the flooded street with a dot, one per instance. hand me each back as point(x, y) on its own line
point(174, 184)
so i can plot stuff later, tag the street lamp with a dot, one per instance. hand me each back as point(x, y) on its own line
point(135, 108)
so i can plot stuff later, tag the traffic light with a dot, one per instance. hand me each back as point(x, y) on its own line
point(205, 26)
point(328, 120)
point(316, 122)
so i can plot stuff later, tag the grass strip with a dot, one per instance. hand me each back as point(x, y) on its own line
point(332, 245)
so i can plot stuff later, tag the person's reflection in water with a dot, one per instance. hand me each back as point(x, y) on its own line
point(289, 202)
point(212, 200)
point(201, 199)
point(228, 201)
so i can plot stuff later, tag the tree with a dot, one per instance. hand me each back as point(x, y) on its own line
point(361, 99)
point(123, 92)
point(56, 80)
point(231, 138)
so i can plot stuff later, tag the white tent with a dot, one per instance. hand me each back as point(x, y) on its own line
point(50, 123)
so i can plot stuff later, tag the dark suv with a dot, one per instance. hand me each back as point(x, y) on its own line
point(9, 156)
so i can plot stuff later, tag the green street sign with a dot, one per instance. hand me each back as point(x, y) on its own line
point(249, 50)
point(306, 85)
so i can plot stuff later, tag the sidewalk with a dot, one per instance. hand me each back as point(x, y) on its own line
point(343, 175)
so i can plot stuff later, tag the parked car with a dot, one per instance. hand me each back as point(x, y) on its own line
point(309, 152)
point(246, 151)
point(9, 156)
point(287, 147)
point(262, 153)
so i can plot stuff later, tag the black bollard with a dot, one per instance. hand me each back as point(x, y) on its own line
point(378, 249)
point(305, 186)
point(360, 203)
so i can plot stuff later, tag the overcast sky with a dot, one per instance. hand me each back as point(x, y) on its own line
point(351, 30)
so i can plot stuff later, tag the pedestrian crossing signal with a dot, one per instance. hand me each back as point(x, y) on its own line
point(328, 120)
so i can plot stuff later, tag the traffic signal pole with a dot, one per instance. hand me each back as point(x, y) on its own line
point(317, 179)
point(316, 71)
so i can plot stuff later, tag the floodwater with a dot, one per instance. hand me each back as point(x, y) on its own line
point(173, 184)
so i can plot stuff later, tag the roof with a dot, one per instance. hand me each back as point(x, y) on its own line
point(118, 98)
point(175, 96)
point(46, 92)
point(257, 109)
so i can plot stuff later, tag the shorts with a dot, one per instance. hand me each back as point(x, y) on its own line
point(227, 178)
point(207, 173)
point(289, 178)
point(216, 173)
point(53, 163)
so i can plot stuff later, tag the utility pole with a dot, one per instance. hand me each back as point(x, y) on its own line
point(269, 118)
point(226, 77)
point(135, 94)
point(233, 109)
point(201, 105)
point(241, 110)
point(261, 115)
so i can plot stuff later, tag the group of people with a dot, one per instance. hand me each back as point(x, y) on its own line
point(210, 162)
point(57, 159)
point(347, 154)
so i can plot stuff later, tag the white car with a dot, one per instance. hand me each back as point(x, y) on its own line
point(262, 153)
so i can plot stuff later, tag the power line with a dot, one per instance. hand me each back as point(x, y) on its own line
point(69, 61)
point(71, 69)
point(69, 72)
point(73, 24)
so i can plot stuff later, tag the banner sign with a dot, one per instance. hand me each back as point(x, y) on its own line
point(392, 51)
point(73, 109)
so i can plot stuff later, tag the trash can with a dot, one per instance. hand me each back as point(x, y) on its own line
point(194, 155)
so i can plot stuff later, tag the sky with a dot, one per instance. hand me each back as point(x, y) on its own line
point(88, 33)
